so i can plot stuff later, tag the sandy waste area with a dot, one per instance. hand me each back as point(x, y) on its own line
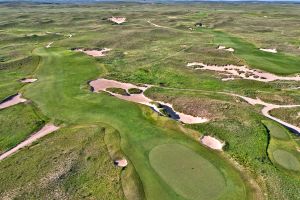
point(48, 128)
point(234, 72)
point(94, 53)
point(102, 84)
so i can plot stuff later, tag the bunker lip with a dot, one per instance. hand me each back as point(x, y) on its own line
point(212, 143)
point(267, 108)
point(28, 80)
point(234, 72)
point(47, 129)
point(103, 84)
point(12, 100)
point(93, 52)
point(117, 20)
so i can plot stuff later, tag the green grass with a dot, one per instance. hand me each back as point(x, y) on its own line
point(277, 131)
point(190, 175)
point(286, 159)
point(17, 123)
point(282, 148)
point(135, 91)
point(72, 162)
point(69, 100)
point(118, 91)
point(142, 53)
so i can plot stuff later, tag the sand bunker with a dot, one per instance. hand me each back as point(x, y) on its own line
point(28, 80)
point(226, 49)
point(94, 53)
point(121, 163)
point(104, 84)
point(49, 44)
point(212, 142)
point(269, 50)
point(268, 107)
point(48, 128)
point(187, 119)
point(233, 72)
point(117, 20)
point(156, 25)
point(13, 100)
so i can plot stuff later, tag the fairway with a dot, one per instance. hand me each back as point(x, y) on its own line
point(189, 174)
point(137, 100)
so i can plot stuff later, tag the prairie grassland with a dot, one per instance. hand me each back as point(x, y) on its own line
point(76, 162)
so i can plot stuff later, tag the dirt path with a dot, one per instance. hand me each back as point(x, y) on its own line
point(12, 101)
point(267, 108)
point(49, 44)
point(48, 128)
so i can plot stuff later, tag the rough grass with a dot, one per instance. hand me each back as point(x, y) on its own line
point(17, 123)
point(70, 163)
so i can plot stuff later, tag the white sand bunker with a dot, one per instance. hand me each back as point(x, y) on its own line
point(267, 108)
point(121, 163)
point(48, 128)
point(49, 44)
point(13, 100)
point(117, 20)
point(28, 80)
point(269, 50)
point(104, 84)
point(94, 52)
point(226, 49)
point(233, 72)
point(212, 142)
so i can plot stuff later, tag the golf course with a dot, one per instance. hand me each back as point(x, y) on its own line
point(156, 101)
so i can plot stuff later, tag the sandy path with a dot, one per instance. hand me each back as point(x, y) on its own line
point(12, 101)
point(243, 72)
point(156, 25)
point(212, 142)
point(225, 48)
point(267, 108)
point(48, 128)
point(49, 44)
point(103, 84)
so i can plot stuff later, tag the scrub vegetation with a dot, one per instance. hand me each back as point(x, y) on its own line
point(165, 157)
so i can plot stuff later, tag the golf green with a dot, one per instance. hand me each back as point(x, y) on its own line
point(189, 174)
point(286, 160)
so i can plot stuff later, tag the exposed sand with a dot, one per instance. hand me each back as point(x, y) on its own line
point(102, 84)
point(212, 142)
point(48, 128)
point(28, 80)
point(117, 20)
point(267, 107)
point(49, 44)
point(243, 72)
point(269, 50)
point(94, 53)
point(12, 101)
point(121, 163)
point(187, 119)
point(226, 49)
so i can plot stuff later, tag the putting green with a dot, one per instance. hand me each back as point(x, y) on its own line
point(286, 160)
point(276, 130)
point(189, 174)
